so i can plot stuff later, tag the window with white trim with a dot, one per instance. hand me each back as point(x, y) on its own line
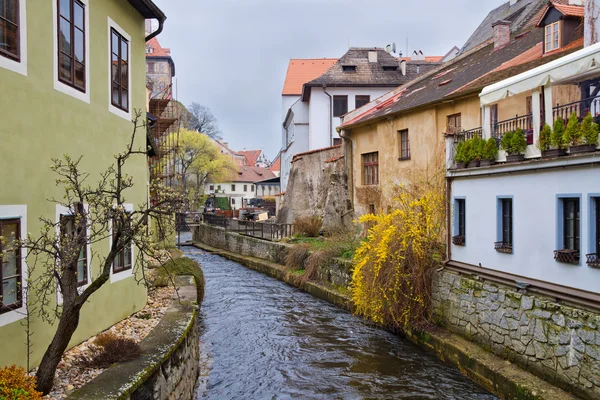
point(11, 271)
point(123, 260)
point(10, 36)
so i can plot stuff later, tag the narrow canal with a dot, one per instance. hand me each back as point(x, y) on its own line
point(262, 339)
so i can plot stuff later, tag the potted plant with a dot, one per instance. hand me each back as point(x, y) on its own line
point(459, 157)
point(475, 152)
point(543, 142)
point(514, 143)
point(490, 152)
point(585, 139)
point(557, 146)
point(467, 153)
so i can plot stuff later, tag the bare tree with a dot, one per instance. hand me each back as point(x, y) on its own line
point(97, 212)
point(203, 121)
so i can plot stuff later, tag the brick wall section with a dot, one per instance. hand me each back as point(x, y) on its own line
point(558, 343)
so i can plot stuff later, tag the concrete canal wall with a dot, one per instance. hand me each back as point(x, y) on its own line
point(472, 357)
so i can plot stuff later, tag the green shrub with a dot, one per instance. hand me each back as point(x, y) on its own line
point(589, 130)
point(308, 226)
point(544, 140)
point(476, 148)
point(490, 149)
point(460, 153)
point(506, 142)
point(15, 384)
point(222, 203)
point(556, 139)
point(518, 142)
point(572, 135)
point(467, 151)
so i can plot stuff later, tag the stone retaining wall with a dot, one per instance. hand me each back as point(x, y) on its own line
point(169, 366)
point(554, 341)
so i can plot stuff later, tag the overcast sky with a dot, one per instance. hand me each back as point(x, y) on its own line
point(232, 55)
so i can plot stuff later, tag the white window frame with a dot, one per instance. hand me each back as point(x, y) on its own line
point(128, 273)
point(17, 212)
point(58, 85)
point(115, 110)
point(20, 67)
point(62, 210)
point(554, 27)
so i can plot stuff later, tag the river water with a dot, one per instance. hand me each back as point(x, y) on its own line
point(263, 339)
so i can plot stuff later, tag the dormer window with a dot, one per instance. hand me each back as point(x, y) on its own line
point(552, 36)
point(149, 50)
point(390, 68)
point(349, 68)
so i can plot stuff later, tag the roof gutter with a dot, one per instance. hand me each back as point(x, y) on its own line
point(149, 10)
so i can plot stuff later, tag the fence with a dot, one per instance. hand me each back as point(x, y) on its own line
point(263, 230)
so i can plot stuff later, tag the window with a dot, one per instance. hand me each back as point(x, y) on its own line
point(11, 271)
point(212, 187)
point(9, 29)
point(370, 163)
point(360, 101)
point(70, 229)
point(252, 188)
point(349, 68)
point(505, 226)
point(553, 36)
point(123, 259)
point(390, 68)
point(372, 209)
point(120, 70)
point(460, 231)
point(453, 123)
point(218, 187)
point(596, 223)
point(233, 188)
point(71, 43)
point(340, 105)
point(337, 141)
point(404, 145)
point(245, 188)
point(150, 67)
point(571, 227)
point(232, 201)
point(494, 119)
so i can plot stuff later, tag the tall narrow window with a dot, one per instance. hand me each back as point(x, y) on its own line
point(404, 145)
point(70, 231)
point(9, 29)
point(453, 123)
point(494, 119)
point(459, 223)
point(123, 259)
point(552, 36)
point(120, 71)
point(571, 227)
point(505, 242)
point(340, 105)
point(370, 163)
point(360, 101)
point(150, 67)
point(597, 224)
point(245, 188)
point(71, 43)
point(233, 188)
point(10, 262)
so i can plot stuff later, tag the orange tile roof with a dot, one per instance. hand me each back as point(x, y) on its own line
point(427, 58)
point(302, 70)
point(157, 49)
point(570, 10)
point(251, 156)
point(249, 173)
point(276, 166)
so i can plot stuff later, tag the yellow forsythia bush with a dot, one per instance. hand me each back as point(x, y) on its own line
point(391, 282)
point(15, 384)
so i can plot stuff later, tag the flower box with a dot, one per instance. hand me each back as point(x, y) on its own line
point(593, 260)
point(511, 158)
point(567, 256)
point(486, 163)
point(458, 240)
point(473, 164)
point(553, 153)
point(584, 148)
point(502, 247)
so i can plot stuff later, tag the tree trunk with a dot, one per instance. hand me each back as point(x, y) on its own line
point(69, 320)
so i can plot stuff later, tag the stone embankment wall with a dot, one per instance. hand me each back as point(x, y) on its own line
point(554, 341)
point(170, 361)
point(318, 185)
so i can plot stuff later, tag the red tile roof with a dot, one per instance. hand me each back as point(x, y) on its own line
point(315, 151)
point(157, 49)
point(251, 156)
point(250, 173)
point(302, 70)
point(567, 10)
point(276, 165)
point(427, 59)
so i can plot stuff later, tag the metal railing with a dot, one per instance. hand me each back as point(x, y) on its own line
point(581, 108)
point(466, 135)
point(523, 122)
point(264, 230)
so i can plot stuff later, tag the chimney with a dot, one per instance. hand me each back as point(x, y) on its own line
point(372, 56)
point(403, 67)
point(591, 24)
point(148, 27)
point(501, 33)
point(418, 56)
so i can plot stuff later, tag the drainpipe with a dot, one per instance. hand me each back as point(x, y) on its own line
point(350, 164)
point(330, 114)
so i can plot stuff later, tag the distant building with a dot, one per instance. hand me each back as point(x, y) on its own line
point(276, 165)
point(317, 93)
point(242, 185)
point(255, 157)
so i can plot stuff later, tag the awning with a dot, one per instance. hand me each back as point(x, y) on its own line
point(582, 62)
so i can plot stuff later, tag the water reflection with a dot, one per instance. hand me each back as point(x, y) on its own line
point(263, 339)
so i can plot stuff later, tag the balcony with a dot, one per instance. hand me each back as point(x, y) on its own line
point(523, 122)
point(581, 108)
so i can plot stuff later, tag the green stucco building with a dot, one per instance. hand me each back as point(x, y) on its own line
point(72, 74)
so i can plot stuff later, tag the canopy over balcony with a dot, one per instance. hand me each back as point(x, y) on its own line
point(573, 68)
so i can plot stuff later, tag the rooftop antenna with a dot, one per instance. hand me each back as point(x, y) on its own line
point(394, 47)
point(407, 45)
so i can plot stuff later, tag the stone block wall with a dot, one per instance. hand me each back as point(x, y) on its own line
point(556, 342)
point(338, 272)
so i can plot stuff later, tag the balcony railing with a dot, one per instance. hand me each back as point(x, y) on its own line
point(458, 240)
point(503, 247)
point(461, 136)
point(593, 260)
point(567, 256)
point(581, 108)
point(524, 122)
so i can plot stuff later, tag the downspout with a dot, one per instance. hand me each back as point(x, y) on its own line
point(330, 114)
